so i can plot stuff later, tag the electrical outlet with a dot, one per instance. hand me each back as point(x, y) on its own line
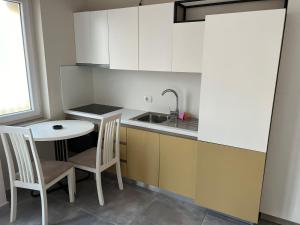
point(148, 99)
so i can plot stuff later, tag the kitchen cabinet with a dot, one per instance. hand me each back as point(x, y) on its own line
point(123, 143)
point(155, 37)
point(123, 38)
point(187, 47)
point(177, 167)
point(82, 35)
point(123, 153)
point(123, 135)
point(143, 156)
point(240, 62)
point(229, 180)
point(91, 37)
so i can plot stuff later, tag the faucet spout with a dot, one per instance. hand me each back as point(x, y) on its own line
point(176, 112)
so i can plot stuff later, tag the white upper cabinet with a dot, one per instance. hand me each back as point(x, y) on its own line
point(240, 62)
point(99, 37)
point(82, 36)
point(91, 37)
point(123, 38)
point(187, 47)
point(155, 37)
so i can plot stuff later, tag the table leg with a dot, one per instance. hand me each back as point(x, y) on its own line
point(61, 150)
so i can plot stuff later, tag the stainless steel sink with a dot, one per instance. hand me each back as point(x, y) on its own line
point(167, 120)
point(151, 117)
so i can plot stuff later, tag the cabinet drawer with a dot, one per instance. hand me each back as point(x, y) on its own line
point(123, 152)
point(123, 135)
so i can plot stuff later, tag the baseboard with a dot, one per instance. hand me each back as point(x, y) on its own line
point(277, 220)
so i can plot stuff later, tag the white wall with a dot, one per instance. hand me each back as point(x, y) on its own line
point(55, 45)
point(281, 190)
point(77, 86)
point(128, 88)
point(57, 28)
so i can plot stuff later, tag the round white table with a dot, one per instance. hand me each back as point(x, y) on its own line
point(70, 129)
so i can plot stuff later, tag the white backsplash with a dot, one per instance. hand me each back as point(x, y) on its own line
point(128, 89)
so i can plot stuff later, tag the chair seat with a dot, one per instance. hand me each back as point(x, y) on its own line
point(53, 169)
point(86, 158)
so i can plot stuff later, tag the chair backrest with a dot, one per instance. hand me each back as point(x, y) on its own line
point(108, 147)
point(25, 154)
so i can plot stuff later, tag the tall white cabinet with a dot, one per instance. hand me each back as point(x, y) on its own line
point(123, 38)
point(91, 37)
point(155, 37)
point(240, 62)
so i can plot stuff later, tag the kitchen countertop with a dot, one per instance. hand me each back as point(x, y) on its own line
point(126, 119)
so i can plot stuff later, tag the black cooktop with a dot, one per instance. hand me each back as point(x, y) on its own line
point(97, 109)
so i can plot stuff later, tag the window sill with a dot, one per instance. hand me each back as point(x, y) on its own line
point(32, 121)
point(26, 121)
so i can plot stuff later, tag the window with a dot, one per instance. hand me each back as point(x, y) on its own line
point(18, 94)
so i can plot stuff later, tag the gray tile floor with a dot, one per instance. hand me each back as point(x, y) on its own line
point(132, 206)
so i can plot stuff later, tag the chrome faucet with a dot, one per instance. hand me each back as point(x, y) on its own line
point(176, 112)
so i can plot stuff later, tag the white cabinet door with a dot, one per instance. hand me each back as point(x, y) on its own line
point(187, 47)
point(82, 37)
point(99, 37)
point(123, 38)
point(91, 37)
point(240, 63)
point(155, 37)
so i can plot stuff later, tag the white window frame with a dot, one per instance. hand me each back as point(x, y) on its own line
point(33, 81)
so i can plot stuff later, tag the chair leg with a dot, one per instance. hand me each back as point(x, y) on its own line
point(13, 204)
point(71, 178)
point(119, 176)
point(99, 188)
point(74, 182)
point(44, 204)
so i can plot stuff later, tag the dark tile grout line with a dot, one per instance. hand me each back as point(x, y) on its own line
point(96, 216)
point(142, 210)
point(99, 217)
point(205, 214)
point(84, 210)
point(154, 197)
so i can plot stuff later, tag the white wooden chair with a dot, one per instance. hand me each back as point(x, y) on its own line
point(32, 173)
point(105, 155)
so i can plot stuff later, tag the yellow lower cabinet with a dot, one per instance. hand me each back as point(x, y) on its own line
point(123, 135)
point(177, 167)
point(123, 152)
point(143, 156)
point(124, 169)
point(229, 180)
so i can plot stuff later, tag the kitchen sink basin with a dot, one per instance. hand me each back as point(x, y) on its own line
point(168, 121)
point(151, 117)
